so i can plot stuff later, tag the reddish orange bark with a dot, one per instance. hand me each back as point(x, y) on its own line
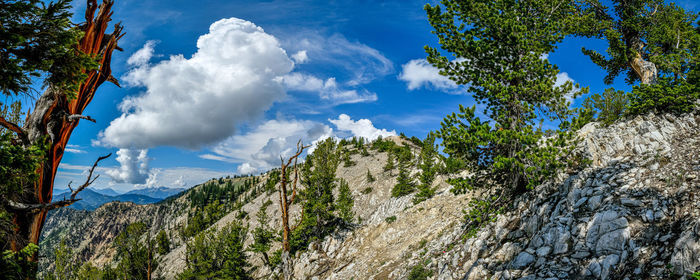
point(50, 115)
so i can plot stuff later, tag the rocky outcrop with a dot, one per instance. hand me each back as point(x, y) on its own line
point(633, 213)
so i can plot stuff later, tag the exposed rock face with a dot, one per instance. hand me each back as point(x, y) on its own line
point(634, 213)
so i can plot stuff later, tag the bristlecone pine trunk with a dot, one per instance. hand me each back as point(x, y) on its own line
point(54, 117)
point(645, 70)
point(285, 202)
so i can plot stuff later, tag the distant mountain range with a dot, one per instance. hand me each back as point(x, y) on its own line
point(159, 192)
point(93, 198)
point(108, 191)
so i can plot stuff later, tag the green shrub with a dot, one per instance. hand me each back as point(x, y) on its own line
point(666, 96)
point(390, 219)
point(419, 272)
point(481, 212)
point(370, 178)
point(367, 190)
point(609, 107)
point(16, 265)
point(276, 258)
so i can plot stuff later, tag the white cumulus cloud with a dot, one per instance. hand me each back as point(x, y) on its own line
point(191, 102)
point(143, 55)
point(300, 57)
point(419, 73)
point(261, 148)
point(133, 167)
point(360, 128)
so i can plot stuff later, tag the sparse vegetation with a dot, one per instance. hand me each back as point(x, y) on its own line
point(370, 178)
point(419, 272)
point(390, 219)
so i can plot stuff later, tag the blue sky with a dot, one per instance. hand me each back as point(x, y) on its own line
point(216, 88)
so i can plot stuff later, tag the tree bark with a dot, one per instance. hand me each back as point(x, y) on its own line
point(285, 202)
point(645, 70)
point(55, 116)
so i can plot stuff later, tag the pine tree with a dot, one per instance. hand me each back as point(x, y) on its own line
point(217, 254)
point(404, 184)
point(163, 242)
point(428, 168)
point(646, 39)
point(370, 178)
point(64, 268)
point(262, 235)
point(318, 179)
point(136, 259)
point(513, 82)
point(389, 162)
point(344, 203)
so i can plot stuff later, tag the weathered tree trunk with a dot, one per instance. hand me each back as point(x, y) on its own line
point(55, 116)
point(286, 266)
point(645, 70)
point(285, 202)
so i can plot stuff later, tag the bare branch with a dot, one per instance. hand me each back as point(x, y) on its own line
point(114, 80)
point(15, 128)
point(33, 208)
point(76, 117)
point(88, 181)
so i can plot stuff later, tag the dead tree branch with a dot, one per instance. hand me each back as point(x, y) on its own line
point(32, 208)
point(75, 117)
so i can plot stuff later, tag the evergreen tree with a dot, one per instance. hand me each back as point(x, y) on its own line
point(38, 38)
point(64, 267)
point(646, 38)
point(217, 254)
point(318, 179)
point(428, 169)
point(370, 178)
point(344, 203)
point(498, 45)
point(389, 162)
point(136, 259)
point(262, 235)
point(163, 242)
point(404, 184)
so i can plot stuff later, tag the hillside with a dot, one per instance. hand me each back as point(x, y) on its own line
point(632, 213)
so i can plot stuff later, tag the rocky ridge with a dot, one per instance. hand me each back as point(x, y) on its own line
point(634, 213)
